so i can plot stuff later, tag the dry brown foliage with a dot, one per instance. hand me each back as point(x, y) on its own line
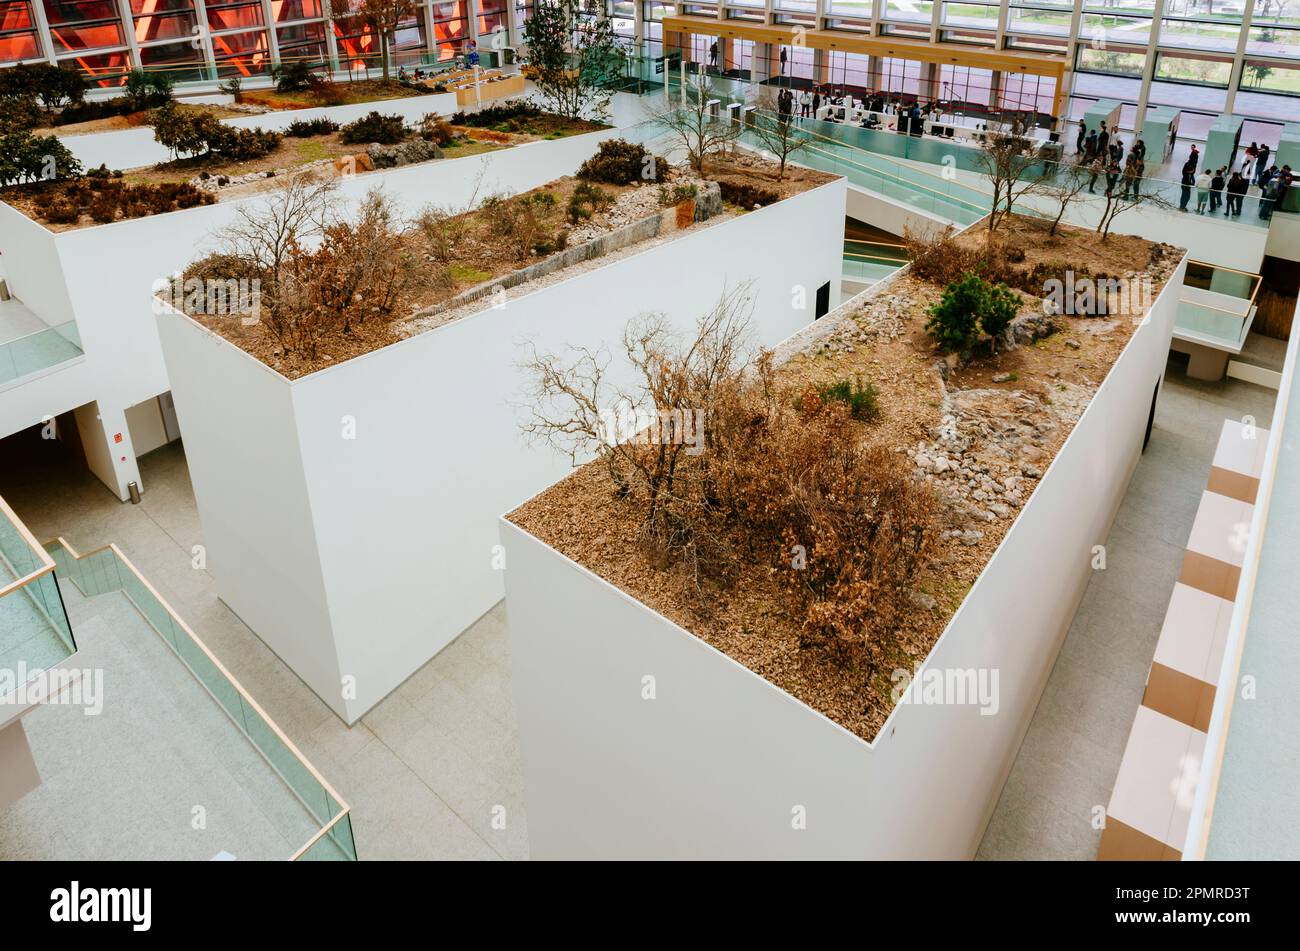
point(846, 527)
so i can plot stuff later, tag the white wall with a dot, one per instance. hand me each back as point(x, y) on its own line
point(893, 216)
point(405, 513)
point(133, 148)
point(246, 468)
point(146, 424)
point(1284, 236)
point(104, 275)
point(714, 766)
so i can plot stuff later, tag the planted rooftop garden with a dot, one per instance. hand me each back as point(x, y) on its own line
point(334, 286)
point(819, 513)
point(214, 160)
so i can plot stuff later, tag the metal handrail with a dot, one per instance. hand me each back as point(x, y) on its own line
point(47, 563)
point(245, 696)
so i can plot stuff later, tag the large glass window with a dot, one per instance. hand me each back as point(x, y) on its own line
point(918, 11)
point(302, 41)
point(1040, 16)
point(450, 28)
point(1273, 41)
point(971, 14)
point(77, 25)
point(1201, 70)
point(1116, 62)
point(241, 54)
point(182, 61)
point(1217, 33)
point(286, 11)
point(234, 14)
point(847, 69)
point(17, 32)
point(1268, 89)
point(105, 69)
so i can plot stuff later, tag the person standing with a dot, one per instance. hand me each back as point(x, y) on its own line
point(816, 103)
point(713, 55)
point(1095, 164)
point(1267, 195)
point(783, 58)
point(1236, 192)
point(1203, 181)
point(1090, 146)
point(1187, 182)
point(1082, 138)
point(1216, 191)
point(1103, 141)
point(1261, 164)
point(1193, 159)
point(1140, 149)
point(1130, 172)
point(805, 101)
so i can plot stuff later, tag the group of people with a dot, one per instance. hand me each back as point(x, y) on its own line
point(1102, 151)
point(1226, 188)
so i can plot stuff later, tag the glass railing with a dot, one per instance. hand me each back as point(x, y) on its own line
point(106, 570)
point(39, 351)
point(34, 631)
point(871, 261)
point(945, 153)
point(1217, 305)
point(944, 197)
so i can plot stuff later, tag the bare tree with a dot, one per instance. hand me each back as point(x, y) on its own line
point(1066, 187)
point(383, 17)
point(264, 233)
point(780, 137)
point(644, 434)
point(1014, 170)
point(1120, 199)
point(695, 128)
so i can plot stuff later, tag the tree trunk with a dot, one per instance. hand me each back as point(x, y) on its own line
point(383, 52)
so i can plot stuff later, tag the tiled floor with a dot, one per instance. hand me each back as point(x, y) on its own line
point(432, 772)
point(157, 771)
point(1062, 777)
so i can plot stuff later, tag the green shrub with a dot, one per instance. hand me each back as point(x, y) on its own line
point(25, 157)
point(619, 162)
point(54, 86)
point(586, 200)
point(861, 400)
point(243, 145)
point(746, 195)
point(147, 90)
point(969, 306)
point(95, 109)
point(374, 127)
point(19, 113)
point(293, 76)
point(303, 128)
point(191, 132)
point(676, 195)
point(497, 114)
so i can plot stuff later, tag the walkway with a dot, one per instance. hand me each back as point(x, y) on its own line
point(1063, 775)
point(159, 772)
point(422, 772)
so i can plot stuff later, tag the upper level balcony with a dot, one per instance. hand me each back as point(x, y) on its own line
point(29, 346)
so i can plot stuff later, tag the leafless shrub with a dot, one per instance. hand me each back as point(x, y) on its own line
point(787, 482)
